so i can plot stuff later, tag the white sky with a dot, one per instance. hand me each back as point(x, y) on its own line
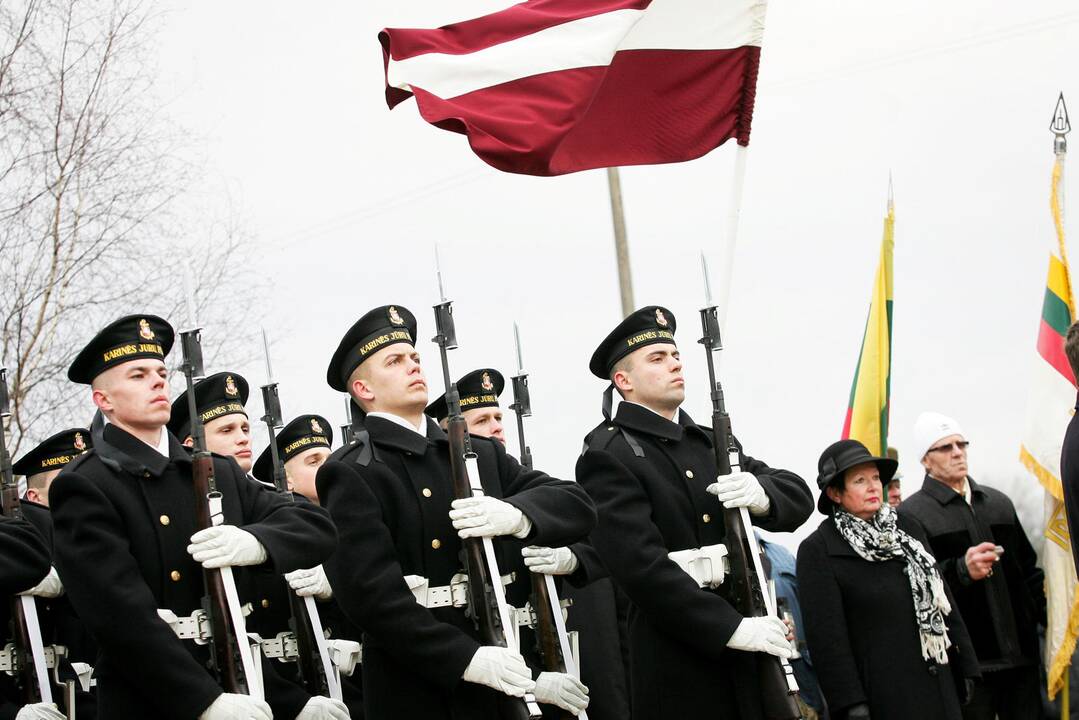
point(347, 198)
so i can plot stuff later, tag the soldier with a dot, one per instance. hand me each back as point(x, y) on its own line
point(392, 499)
point(652, 473)
point(221, 403)
point(60, 624)
point(126, 540)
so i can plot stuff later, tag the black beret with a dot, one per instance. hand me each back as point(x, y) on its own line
point(129, 338)
point(54, 453)
point(380, 327)
point(647, 326)
point(479, 388)
point(217, 395)
point(303, 433)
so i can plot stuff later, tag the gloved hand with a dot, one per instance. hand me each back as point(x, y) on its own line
point(323, 708)
point(858, 712)
point(766, 634)
point(741, 489)
point(310, 582)
point(40, 711)
point(226, 545)
point(236, 707)
point(488, 517)
point(49, 587)
point(550, 561)
point(967, 693)
point(565, 691)
point(501, 669)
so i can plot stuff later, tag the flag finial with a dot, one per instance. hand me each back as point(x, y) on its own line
point(1060, 126)
point(891, 194)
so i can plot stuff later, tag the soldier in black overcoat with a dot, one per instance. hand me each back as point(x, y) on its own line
point(391, 495)
point(126, 541)
point(651, 471)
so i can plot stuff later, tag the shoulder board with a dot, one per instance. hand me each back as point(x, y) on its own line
point(76, 462)
point(360, 450)
point(601, 438)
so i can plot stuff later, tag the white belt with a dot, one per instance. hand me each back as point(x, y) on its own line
point(706, 565)
point(526, 616)
point(8, 662)
point(453, 595)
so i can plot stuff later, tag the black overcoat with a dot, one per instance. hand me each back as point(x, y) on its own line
point(1002, 611)
point(24, 562)
point(393, 518)
point(123, 515)
point(863, 636)
point(650, 506)
point(1069, 477)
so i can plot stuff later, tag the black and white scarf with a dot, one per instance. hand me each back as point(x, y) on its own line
point(877, 540)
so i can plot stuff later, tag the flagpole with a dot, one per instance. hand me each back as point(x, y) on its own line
point(621, 246)
point(730, 236)
point(1060, 127)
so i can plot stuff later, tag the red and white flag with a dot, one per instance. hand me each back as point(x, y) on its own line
point(548, 87)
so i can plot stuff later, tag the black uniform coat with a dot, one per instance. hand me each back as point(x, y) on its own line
point(24, 562)
point(648, 507)
point(1069, 477)
point(123, 517)
point(863, 635)
point(393, 519)
point(1002, 611)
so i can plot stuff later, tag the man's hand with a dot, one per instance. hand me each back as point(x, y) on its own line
point(858, 712)
point(484, 516)
point(228, 706)
point(226, 545)
point(766, 634)
point(323, 708)
point(49, 587)
point(311, 582)
point(501, 669)
point(741, 489)
point(565, 691)
point(980, 560)
point(40, 711)
point(550, 561)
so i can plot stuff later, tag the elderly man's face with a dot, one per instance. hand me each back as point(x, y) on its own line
point(947, 459)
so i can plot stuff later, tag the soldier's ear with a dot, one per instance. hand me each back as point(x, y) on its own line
point(360, 389)
point(101, 400)
point(621, 381)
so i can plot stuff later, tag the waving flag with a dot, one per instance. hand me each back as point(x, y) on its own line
point(867, 411)
point(549, 87)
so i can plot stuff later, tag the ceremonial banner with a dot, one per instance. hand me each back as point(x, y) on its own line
point(548, 87)
point(870, 393)
point(1049, 408)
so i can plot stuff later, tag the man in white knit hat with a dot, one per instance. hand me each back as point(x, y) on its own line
point(989, 565)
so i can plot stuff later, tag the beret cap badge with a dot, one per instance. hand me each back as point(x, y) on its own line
point(661, 319)
point(230, 387)
point(487, 384)
point(145, 331)
point(315, 426)
point(395, 317)
point(79, 444)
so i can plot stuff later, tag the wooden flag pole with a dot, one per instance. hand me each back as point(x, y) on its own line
point(621, 245)
point(730, 236)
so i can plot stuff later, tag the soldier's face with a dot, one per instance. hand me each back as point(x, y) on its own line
point(486, 422)
point(654, 377)
point(231, 435)
point(134, 394)
point(302, 469)
point(392, 381)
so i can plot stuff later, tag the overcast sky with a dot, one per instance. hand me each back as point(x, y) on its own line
point(346, 200)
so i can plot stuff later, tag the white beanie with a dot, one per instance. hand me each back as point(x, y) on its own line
point(931, 427)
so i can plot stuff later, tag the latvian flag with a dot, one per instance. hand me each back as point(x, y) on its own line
point(548, 87)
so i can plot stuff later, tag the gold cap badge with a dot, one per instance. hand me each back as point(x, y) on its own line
point(486, 383)
point(661, 319)
point(315, 426)
point(145, 331)
point(230, 387)
point(395, 317)
point(79, 443)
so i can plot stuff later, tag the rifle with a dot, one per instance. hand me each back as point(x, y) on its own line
point(747, 585)
point(487, 604)
point(551, 635)
point(28, 651)
point(348, 430)
point(317, 675)
point(231, 657)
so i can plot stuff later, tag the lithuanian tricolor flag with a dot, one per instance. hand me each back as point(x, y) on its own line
point(867, 411)
point(1049, 408)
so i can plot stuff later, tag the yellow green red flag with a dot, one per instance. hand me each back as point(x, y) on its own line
point(867, 411)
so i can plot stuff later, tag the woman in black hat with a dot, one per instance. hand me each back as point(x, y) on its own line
point(878, 617)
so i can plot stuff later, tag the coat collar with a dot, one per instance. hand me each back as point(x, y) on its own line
point(943, 494)
point(834, 543)
point(122, 450)
point(389, 434)
point(638, 418)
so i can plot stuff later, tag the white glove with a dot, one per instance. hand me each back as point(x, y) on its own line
point(49, 587)
point(488, 517)
point(40, 711)
point(236, 707)
point(500, 668)
point(226, 545)
point(565, 691)
point(323, 708)
point(550, 561)
point(741, 489)
point(766, 634)
point(311, 582)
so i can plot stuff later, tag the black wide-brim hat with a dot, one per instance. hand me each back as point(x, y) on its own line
point(647, 326)
point(54, 453)
point(377, 329)
point(842, 456)
point(217, 395)
point(478, 389)
point(132, 337)
point(303, 433)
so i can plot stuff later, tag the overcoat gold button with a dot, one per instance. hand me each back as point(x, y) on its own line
point(175, 575)
point(436, 543)
point(164, 519)
point(689, 474)
point(427, 492)
point(706, 518)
